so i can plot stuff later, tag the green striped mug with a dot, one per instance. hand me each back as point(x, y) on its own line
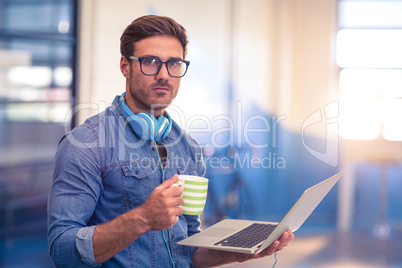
point(194, 193)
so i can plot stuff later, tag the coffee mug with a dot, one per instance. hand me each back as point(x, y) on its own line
point(195, 190)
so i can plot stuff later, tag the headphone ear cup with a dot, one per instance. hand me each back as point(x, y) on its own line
point(139, 126)
point(150, 121)
point(145, 125)
point(165, 126)
point(161, 124)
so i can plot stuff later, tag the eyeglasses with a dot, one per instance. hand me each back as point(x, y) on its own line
point(152, 66)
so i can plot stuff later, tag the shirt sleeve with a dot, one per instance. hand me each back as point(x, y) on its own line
point(84, 244)
point(194, 222)
point(193, 225)
point(77, 185)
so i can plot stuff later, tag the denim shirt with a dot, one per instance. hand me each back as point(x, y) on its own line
point(103, 170)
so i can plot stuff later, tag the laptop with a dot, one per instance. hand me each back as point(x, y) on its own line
point(245, 236)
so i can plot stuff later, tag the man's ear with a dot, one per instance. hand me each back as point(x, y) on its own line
point(125, 67)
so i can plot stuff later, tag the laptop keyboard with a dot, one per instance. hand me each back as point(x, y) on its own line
point(249, 236)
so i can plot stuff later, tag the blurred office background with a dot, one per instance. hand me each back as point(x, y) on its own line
point(281, 94)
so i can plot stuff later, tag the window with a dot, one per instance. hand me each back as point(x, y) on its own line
point(37, 47)
point(37, 89)
point(370, 58)
point(37, 74)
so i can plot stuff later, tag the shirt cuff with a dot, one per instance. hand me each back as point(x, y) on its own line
point(84, 245)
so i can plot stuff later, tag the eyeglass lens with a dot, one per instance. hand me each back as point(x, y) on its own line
point(151, 66)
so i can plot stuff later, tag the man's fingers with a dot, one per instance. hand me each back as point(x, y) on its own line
point(178, 211)
point(285, 239)
point(177, 191)
point(268, 251)
point(167, 183)
point(277, 245)
point(177, 201)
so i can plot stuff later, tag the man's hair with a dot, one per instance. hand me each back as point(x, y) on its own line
point(148, 26)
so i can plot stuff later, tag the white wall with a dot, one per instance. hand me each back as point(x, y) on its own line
point(303, 69)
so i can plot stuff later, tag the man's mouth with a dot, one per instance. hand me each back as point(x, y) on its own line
point(160, 89)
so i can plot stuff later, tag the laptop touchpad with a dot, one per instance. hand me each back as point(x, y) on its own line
point(218, 232)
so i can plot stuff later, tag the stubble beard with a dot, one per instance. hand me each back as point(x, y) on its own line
point(145, 101)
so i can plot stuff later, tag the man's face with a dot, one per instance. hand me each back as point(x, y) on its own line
point(153, 93)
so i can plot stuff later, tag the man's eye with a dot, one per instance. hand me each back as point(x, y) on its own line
point(176, 63)
point(150, 61)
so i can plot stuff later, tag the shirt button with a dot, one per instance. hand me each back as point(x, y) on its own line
point(137, 172)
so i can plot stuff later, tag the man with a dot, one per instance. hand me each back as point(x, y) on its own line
point(111, 201)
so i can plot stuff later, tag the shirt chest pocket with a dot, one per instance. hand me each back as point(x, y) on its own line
point(136, 183)
point(189, 169)
point(139, 180)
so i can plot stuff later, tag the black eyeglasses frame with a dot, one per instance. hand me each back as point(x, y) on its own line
point(140, 59)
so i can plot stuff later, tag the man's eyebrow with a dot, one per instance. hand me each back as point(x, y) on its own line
point(153, 56)
point(175, 58)
point(149, 56)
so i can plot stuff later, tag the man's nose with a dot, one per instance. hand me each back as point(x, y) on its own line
point(163, 73)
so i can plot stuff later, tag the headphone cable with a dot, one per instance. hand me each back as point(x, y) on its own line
point(276, 260)
point(163, 180)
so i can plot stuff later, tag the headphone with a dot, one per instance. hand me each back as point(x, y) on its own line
point(145, 125)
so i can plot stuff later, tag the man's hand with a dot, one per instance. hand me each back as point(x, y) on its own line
point(276, 246)
point(204, 257)
point(161, 210)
